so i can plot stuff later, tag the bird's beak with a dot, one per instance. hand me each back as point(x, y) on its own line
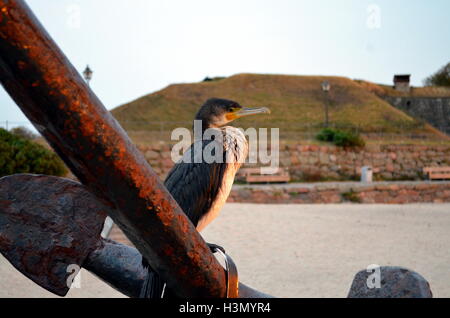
point(243, 112)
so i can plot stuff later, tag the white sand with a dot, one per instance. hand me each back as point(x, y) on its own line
point(307, 250)
point(315, 250)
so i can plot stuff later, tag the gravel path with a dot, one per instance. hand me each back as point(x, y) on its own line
point(307, 250)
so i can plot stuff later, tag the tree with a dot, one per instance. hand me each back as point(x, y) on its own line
point(19, 155)
point(23, 132)
point(440, 78)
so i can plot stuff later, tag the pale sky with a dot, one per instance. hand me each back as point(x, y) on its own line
point(140, 46)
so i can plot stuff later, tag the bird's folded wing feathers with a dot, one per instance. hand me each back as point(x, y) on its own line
point(195, 185)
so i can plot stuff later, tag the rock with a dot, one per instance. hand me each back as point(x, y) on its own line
point(386, 175)
point(292, 147)
point(373, 148)
point(303, 160)
point(166, 154)
point(393, 282)
point(390, 167)
point(334, 175)
point(330, 197)
point(393, 155)
point(149, 155)
point(303, 148)
point(285, 161)
point(422, 186)
point(324, 158)
point(394, 187)
point(300, 190)
point(314, 148)
point(313, 160)
point(335, 168)
point(167, 163)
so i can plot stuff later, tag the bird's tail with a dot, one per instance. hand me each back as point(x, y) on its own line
point(153, 287)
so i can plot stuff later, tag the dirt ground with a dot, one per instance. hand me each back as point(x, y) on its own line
point(307, 250)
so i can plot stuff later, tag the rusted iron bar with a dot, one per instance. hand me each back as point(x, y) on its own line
point(52, 94)
point(50, 226)
point(120, 267)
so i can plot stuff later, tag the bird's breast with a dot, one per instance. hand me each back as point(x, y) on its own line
point(220, 199)
point(236, 150)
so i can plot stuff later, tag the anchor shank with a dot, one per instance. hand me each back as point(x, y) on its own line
point(52, 94)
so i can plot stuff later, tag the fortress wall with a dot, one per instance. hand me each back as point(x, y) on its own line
point(326, 163)
point(435, 111)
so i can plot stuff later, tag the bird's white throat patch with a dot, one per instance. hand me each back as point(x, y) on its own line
point(227, 145)
point(218, 145)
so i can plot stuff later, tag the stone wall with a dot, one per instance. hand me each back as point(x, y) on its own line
point(334, 192)
point(325, 163)
point(339, 192)
point(389, 162)
point(159, 157)
point(435, 111)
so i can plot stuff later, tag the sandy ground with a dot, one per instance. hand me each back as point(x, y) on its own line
point(307, 250)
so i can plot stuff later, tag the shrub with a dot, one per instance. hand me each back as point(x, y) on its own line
point(351, 196)
point(19, 155)
point(326, 134)
point(440, 78)
point(23, 132)
point(341, 138)
point(213, 79)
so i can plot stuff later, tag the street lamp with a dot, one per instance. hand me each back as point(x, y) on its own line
point(87, 74)
point(326, 88)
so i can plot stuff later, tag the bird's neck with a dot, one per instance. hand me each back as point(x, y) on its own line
point(202, 125)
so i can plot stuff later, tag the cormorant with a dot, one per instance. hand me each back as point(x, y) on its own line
point(201, 185)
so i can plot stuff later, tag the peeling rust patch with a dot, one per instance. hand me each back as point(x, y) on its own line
point(47, 224)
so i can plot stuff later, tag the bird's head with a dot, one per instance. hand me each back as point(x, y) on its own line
point(217, 112)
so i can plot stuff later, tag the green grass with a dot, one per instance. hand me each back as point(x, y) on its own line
point(297, 104)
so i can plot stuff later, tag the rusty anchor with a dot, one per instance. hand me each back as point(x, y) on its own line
point(49, 224)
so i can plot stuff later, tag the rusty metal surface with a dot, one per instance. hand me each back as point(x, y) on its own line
point(51, 93)
point(120, 266)
point(47, 224)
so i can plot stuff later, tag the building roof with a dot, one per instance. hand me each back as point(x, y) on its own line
point(402, 78)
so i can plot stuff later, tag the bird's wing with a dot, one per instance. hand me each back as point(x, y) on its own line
point(195, 185)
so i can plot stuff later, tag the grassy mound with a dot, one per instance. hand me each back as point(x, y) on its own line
point(297, 104)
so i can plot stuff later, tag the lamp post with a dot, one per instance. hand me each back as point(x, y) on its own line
point(87, 74)
point(326, 88)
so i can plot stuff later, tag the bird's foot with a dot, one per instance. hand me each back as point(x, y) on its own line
point(215, 247)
